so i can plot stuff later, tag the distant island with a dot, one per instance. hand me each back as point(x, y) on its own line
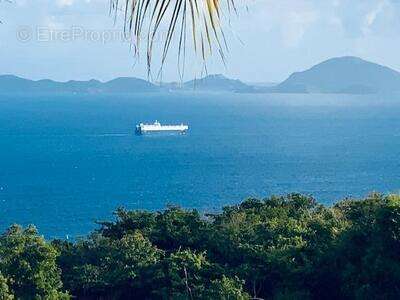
point(342, 75)
point(11, 84)
point(215, 83)
point(346, 75)
point(14, 84)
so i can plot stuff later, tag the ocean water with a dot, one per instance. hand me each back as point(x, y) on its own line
point(67, 161)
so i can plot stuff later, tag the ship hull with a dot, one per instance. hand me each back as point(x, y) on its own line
point(142, 132)
point(152, 129)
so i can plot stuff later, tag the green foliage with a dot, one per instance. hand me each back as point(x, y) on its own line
point(29, 264)
point(227, 289)
point(103, 266)
point(371, 244)
point(5, 293)
point(276, 243)
point(185, 274)
point(169, 230)
point(278, 248)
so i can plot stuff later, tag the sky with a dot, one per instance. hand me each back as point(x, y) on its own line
point(268, 39)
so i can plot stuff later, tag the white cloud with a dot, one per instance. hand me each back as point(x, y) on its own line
point(372, 15)
point(291, 19)
point(296, 25)
point(63, 3)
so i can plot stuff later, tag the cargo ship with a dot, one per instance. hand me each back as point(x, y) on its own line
point(157, 127)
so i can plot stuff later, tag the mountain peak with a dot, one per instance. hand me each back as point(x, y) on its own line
point(343, 60)
point(215, 77)
point(216, 82)
point(347, 74)
point(347, 58)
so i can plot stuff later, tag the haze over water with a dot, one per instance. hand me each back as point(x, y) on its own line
point(66, 161)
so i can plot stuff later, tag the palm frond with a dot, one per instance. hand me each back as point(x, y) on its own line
point(198, 20)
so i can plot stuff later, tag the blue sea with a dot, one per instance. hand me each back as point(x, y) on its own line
point(67, 161)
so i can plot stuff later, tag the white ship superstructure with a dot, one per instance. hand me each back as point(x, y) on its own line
point(157, 127)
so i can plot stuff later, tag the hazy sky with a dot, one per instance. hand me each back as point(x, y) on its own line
point(77, 39)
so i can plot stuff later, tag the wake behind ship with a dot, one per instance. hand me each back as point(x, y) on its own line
point(157, 127)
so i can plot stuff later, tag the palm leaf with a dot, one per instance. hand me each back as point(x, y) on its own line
point(144, 20)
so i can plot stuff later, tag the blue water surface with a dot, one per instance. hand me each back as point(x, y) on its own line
point(69, 160)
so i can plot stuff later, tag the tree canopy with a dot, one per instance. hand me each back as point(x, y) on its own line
point(287, 247)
